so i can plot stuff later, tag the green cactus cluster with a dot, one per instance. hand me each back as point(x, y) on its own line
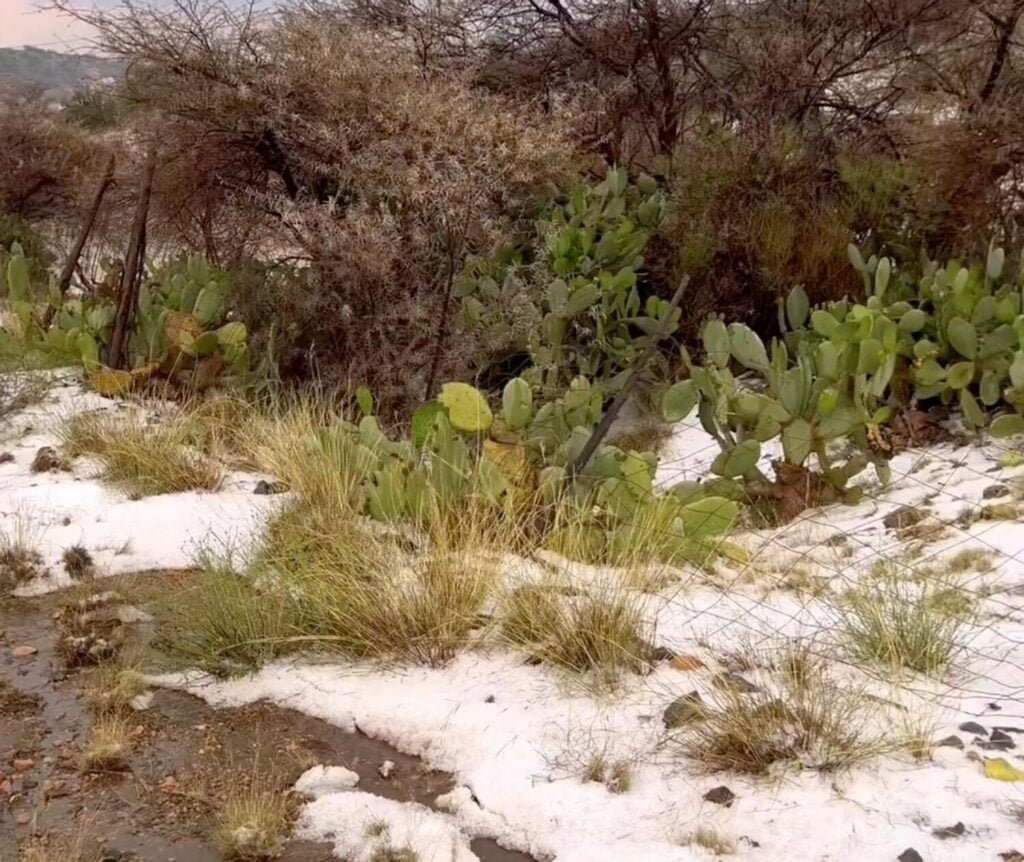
point(459, 447)
point(808, 398)
point(954, 334)
point(573, 298)
point(16, 282)
point(179, 322)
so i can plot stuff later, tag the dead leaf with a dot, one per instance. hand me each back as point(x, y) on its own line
point(686, 663)
point(24, 651)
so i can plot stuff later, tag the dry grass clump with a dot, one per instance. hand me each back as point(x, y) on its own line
point(360, 591)
point(712, 840)
point(800, 717)
point(141, 458)
point(113, 688)
point(18, 391)
point(78, 562)
point(252, 822)
point(599, 636)
point(332, 584)
point(223, 624)
point(616, 775)
point(109, 745)
point(20, 560)
point(904, 627)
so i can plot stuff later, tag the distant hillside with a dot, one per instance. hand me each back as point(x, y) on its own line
point(57, 75)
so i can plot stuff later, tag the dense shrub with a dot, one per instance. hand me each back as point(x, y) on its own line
point(749, 218)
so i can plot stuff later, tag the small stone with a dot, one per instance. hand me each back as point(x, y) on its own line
point(910, 855)
point(6, 458)
point(947, 832)
point(973, 727)
point(386, 769)
point(23, 764)
point(489, 699)
point(1007, 729)
point(904, 516)
point(720, 795)
point(735, 682)
point(950, 742)
point(24, 651)
point(995, 707)
point(23, 819)
point(47, 459)
point(994, 492)
point(686, 663)
point(683, 710)
point(998, 741)
point(264, 487)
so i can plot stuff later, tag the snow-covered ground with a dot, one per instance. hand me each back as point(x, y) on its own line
point(58, 510)
point(517, 738)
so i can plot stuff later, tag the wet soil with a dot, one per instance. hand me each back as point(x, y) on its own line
point(184, 757)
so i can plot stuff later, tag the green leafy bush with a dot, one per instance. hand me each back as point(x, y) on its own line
point(573, 298)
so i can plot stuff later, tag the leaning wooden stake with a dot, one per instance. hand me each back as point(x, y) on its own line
point(64, 282)
point(606, 421)
point(129, 293)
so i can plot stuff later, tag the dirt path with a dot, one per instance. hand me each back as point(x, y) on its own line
point(184, 757)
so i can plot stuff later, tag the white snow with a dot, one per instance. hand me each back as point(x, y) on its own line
point(517, 738)
point(321, 780)
point(362, 824)
point(61, 509)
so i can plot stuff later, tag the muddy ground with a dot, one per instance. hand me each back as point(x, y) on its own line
point(184, 755)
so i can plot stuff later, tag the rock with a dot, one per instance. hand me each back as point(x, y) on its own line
point(950, 742)
point(683, 710)
point(46, 460)
point(910, 855)
point(6, 458)
point(947, 832)
point(720, 795)
point(23, 819)
point(998, 741)
point(1007, 729)
point(23, 764)
point(24, 651)
point(904, 516)
point(1012, 856)
point(973, 727)
point(386, 769)
point(264, 487)
point(994, 492)
point(686, 663)
point(735, 682)
point(489, 699)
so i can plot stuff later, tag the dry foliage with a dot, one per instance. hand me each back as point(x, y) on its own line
point(378, 178)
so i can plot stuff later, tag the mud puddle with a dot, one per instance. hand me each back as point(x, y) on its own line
point(183, 758)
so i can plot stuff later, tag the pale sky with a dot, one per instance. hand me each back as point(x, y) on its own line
point(22, 22)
